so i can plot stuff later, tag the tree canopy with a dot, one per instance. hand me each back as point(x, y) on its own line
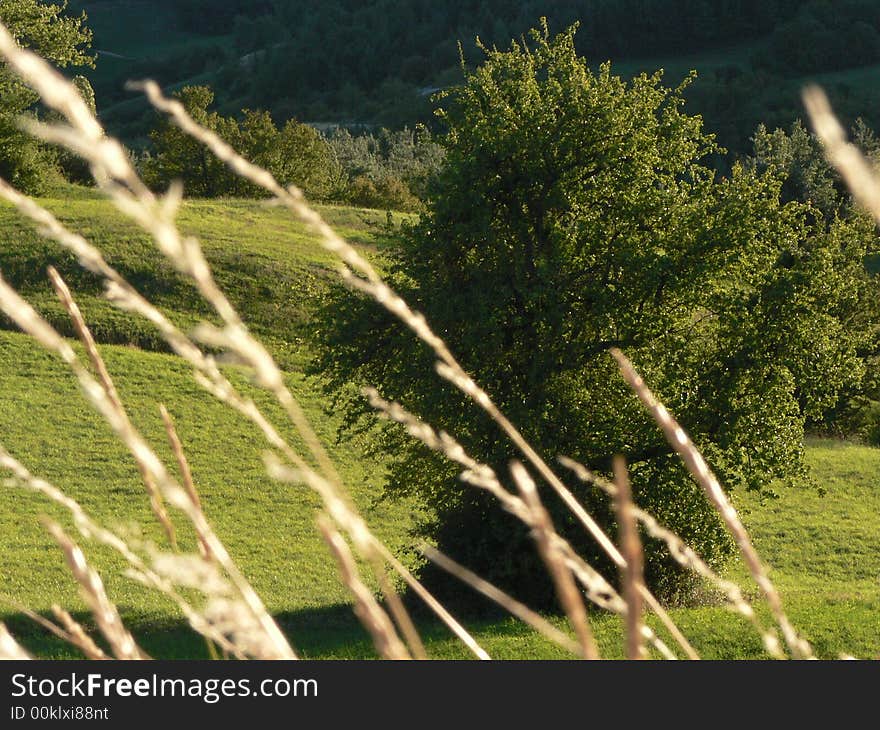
point(295, 154)
point(64, 41)
point(576, 212)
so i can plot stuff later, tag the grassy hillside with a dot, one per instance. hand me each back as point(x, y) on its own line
point(270, 268)
point(824, 550)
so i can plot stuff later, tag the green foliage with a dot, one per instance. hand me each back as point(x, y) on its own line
point(799, 159)
point(388, 170)
point(295, 154)
point(574, 213)
point(25, 162)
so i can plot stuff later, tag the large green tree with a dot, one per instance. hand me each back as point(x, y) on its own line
point(575, 213)
point(64, 41)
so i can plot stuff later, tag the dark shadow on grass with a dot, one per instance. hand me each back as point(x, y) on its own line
point(331, 632)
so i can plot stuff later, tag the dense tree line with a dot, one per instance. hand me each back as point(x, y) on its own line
point(387, 169)
point(295, 154)
point(378, 62)
point(384, 49)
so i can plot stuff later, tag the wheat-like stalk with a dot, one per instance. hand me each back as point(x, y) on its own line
point(566, 588)
point(9, 648)
point(77, 635)
point(29, 321)
point(185, 473)
point(631, 548)
point(90, 529)
point(387, 642)
point(685, 556)
point(85, 336)
point(92, 588)
point(70, 630)
point(495, 594)
point(481, 476)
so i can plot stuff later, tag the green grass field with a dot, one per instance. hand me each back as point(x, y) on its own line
point(824, 550)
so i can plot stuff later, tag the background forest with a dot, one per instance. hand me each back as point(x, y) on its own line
point(377, 63)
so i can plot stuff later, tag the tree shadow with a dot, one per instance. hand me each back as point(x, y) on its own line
point(328, 632)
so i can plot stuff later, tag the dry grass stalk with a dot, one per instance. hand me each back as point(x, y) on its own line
point(631, 547)
point(482, 476)
point(185, 473)
point(698, 468)
point(291, 197)
point(33, 324)
point(685, 556)
point(856, 170)
point(92, 530)
point(70, 631)
point(30, 322)
point(432, 603)
point(495, 594)
point(106, 616)
point(156, 502)
point(9, 648)
point(276, 644)
point(44, 623)
point(124, 296)
point(401, 616)
point(475, 473)
point(78, 635)
point(370, 613)
point(566, 588)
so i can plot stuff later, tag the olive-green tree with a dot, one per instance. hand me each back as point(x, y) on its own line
point(296, 153)
point(64, 41)
point(574, 213)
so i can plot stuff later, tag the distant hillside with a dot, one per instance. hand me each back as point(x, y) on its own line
point(379, 62)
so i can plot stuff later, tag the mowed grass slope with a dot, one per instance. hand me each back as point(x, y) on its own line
point(824, 551)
